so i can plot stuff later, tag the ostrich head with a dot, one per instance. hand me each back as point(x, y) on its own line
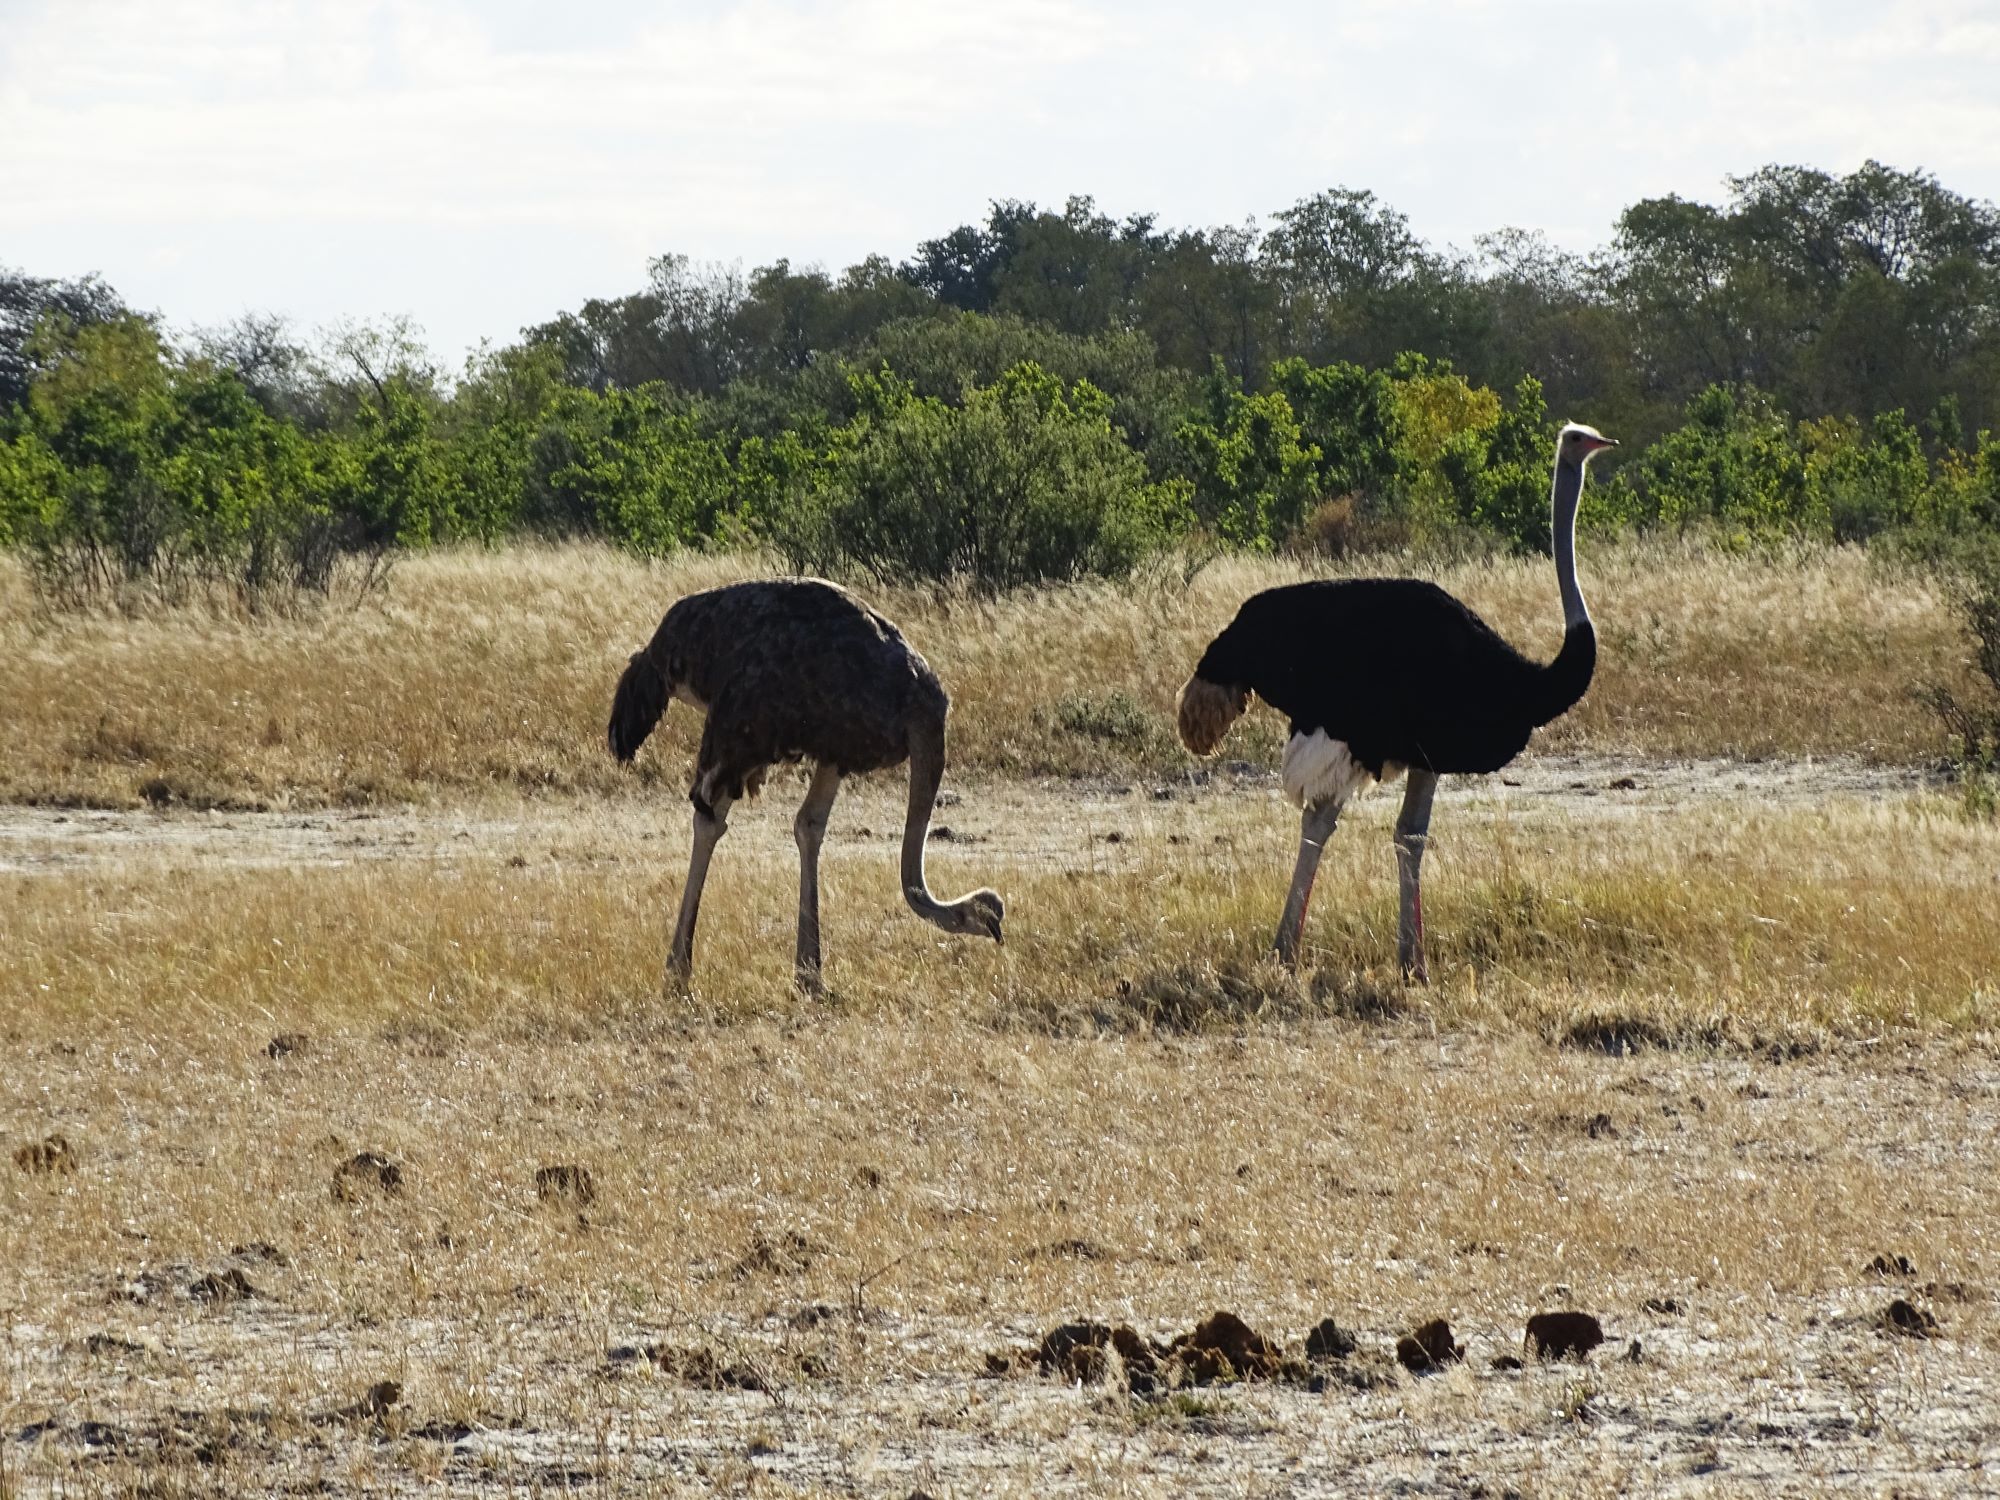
point(1577, 442)
point(979, 914)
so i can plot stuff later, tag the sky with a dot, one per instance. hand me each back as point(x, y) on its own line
point(478, 167)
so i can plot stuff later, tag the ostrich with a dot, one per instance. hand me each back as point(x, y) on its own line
point(785, 670)
point(1386, 676)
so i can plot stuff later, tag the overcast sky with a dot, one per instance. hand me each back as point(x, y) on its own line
point(479, 166)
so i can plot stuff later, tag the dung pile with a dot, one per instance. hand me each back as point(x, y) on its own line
point(1220, 1350)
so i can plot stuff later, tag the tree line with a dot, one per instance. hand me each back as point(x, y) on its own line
point(1055, 393)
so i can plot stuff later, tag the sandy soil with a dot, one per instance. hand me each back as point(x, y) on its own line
point(1046, 821)
point(958, 1191)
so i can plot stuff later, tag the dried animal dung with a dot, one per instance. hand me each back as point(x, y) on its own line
point(565, 1184)
point(1328, 1340)
point(375, 1401)
point(1563, 1335)
point(1246, 1354)
point(790, 1254)
point(1909, 1320)
point(51, 1156)
point(224, 1286)
point(1429, 1348)
point(364, 1170)
point(702, 1369)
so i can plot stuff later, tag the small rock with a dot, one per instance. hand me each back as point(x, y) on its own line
point(1891, 1265)
point(1909, 1320)
point(1113, 837)
point(1559, 1335)
point(287, 1043)
point(1506, 1361)
point(1428, 1348)
point(944, 833)
point(1666, 1307)
point(1624, 784)
point(51, 1156)
point(365, 1170)
point(1633, 1353)
point(260, 1250)
point(565, 1184)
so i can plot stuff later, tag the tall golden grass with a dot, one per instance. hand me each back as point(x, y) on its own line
point(492, 670)
point(1126, 1113)
point(1718, 922)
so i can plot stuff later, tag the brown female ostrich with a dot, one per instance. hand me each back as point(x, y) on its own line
point(794, 669)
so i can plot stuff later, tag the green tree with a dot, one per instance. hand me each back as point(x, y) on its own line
point(1026, 482)
point(1252, 477)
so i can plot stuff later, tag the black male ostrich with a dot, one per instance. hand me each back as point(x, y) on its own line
point(1383, 676)
point(786, 670)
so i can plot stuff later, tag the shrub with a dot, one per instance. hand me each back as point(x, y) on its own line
point(1027, 481)
point(1250, 474)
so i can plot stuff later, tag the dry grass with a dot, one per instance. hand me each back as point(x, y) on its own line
point(1120, 1115)
point(935, 1192)
point(494, 670)
point(1704, 918)
point(1123, 1114)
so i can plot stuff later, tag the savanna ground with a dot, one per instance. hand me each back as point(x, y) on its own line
point(1712, 1030)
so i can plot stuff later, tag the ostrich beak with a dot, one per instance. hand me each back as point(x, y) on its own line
point(1598, 444)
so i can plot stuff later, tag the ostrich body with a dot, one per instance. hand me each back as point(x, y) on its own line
point(787, 670)
point(1391, 676)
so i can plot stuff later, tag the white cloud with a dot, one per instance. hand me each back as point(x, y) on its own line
point(481, 165)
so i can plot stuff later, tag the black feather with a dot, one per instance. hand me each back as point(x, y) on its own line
point(1399, 670)
point(636, 706)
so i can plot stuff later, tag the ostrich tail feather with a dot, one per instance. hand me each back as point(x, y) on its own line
point(636, 706)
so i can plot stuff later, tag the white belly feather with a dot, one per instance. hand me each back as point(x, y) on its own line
point(1317, 769)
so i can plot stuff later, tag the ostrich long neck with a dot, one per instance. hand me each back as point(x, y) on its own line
point(926, 774)
point(1565, 679)
point(1563, 501)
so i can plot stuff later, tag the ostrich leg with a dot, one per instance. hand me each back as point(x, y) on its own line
point(809, 828)
point(1315, 828)
point(711, 822)
point(1412, 832)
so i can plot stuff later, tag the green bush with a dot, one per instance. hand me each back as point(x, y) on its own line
point(1251, 477)
point(1026, 482)
point(629, 466)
